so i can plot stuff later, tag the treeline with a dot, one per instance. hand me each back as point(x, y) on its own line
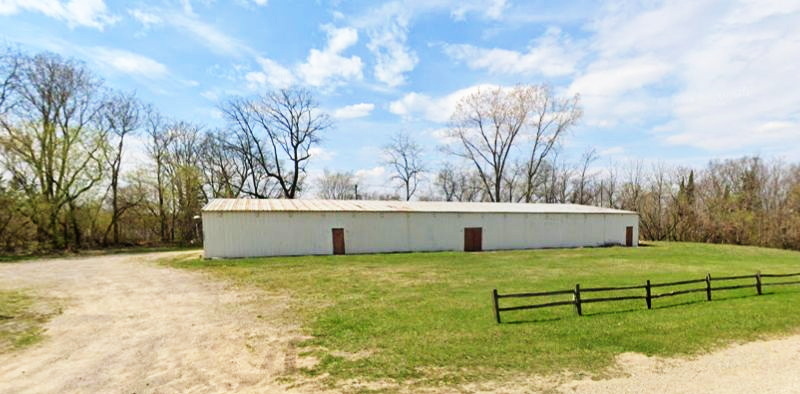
point(67, 180)
point(746, 201)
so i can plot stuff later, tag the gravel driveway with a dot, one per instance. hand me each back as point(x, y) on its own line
point(132, 326)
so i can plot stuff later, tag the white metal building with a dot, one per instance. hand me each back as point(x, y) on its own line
point(247, 227)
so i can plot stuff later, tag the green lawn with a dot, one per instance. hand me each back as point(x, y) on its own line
point(426, 318)
point(21, 319)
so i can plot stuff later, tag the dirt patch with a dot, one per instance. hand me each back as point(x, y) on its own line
point(763, 366)
point(129, 325)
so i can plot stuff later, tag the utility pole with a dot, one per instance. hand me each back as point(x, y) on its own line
point(356, 185)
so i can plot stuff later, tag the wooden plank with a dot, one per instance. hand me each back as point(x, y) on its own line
point(648, 295)
point(779, 275)
point(733, 287)
point(682, 282)
point(578, 300)
point(591, 289)
point(733, 277)
point(543, 293)
point(782, 283)
point(536, 306)
point(496, 306)
point(590, 300)
point(708, 286)
point(758, 282)
point(678, 292)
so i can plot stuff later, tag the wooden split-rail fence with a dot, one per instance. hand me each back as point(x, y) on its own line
point(578, 300)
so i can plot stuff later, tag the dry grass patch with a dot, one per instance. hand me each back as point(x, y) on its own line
point(21, 319)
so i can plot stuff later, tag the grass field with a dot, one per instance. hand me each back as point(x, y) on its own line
point(426, 318)
point(21, 319)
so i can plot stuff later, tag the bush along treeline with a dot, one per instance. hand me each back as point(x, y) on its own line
point(68, 181)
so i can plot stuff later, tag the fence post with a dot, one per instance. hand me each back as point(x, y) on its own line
point(758, 282)
point(649, 300)
point(578, 299)
point(708, 286)
point(496, 306)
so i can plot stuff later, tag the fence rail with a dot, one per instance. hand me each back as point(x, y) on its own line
point(577, 301)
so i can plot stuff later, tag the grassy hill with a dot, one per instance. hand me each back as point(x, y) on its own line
point(427, 317)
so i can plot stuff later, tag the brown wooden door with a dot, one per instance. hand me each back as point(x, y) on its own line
point(473, 239)
point(338, 240)
point(629, 236)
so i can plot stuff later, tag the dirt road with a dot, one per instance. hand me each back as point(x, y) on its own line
point(132, 326)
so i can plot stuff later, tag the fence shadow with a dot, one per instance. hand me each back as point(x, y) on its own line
point(707, 289)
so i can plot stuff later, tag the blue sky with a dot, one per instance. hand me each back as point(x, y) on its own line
point(679, 82)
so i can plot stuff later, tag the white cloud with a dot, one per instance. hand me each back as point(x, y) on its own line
point(721, 80)
point(321, 154)
point(611, 78)
point(551, 55)
point(208, 35)
point(432, 109)
point(328, 66)
point(612, 151)
point(374, 177)
point(210, 95)
point(87, 13)
point(443, 136)
point(186, 21)
point(354, 111)
point(260, 2)
point(613, 91)
point(387, 29)
point(128, 62)
point(393, 58)
point(147, 19)
point(272, 74)
point(492, 9)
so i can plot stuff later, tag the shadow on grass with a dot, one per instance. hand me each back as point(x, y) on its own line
point(525, 321)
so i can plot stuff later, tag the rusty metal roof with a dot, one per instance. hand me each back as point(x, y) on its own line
point(303, 205)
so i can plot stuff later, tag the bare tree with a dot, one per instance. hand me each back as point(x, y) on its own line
point(581, 190)
point(447, 182)
point(186, 181)
point(158, 143)
point(224, 174)
point(633, 186)
point(550, 118)
point(490, 123)
point(404, 156)
point(608, 187)
point(9, 70)
point(274, 134)
point(337, 186)
point(121, 117)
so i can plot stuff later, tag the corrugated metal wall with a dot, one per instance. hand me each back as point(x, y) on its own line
point(244, 234)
